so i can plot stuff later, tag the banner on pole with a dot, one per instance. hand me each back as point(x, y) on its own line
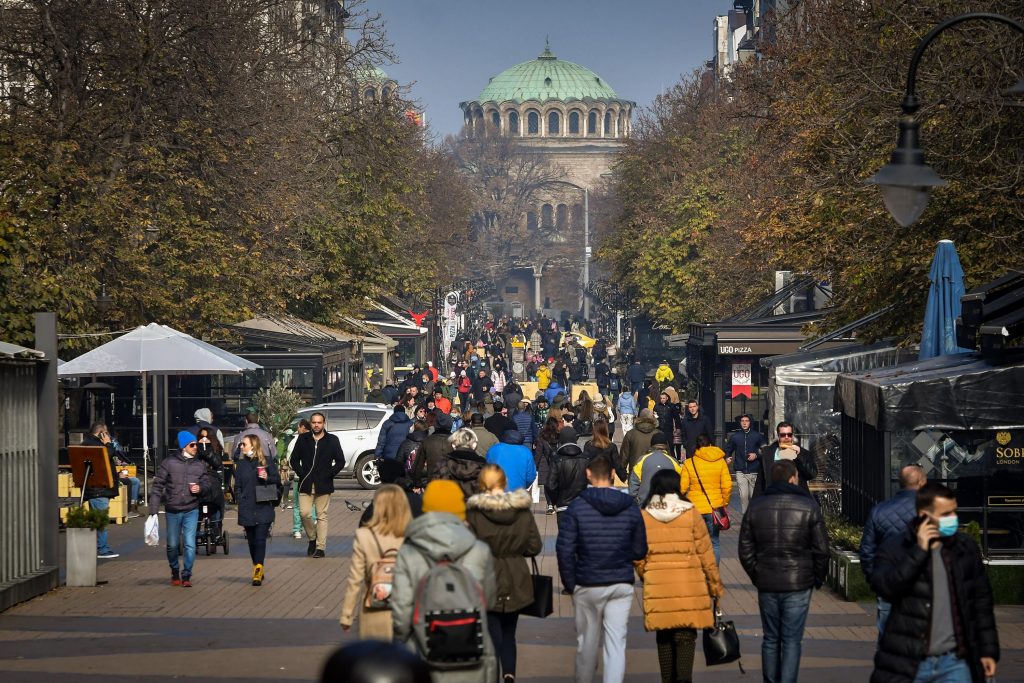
point(741, 380)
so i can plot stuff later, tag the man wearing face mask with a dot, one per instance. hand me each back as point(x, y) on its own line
point(942, 627)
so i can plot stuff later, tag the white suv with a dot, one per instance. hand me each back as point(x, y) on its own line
point(357, 426)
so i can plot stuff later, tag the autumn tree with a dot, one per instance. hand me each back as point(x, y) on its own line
point(767, 171)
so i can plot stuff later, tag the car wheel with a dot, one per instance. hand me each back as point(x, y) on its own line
point(366, 472)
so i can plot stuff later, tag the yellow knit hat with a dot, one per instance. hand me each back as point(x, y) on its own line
point(443, 495)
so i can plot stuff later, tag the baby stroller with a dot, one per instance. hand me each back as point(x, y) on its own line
point(210, 530)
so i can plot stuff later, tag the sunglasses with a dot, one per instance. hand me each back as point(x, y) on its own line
point(785, 434)
point(191, 445)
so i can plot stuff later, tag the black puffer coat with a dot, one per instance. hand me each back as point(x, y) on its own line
point(568, 475)
point(668, 418)
point(806, 467)
point(903, 576)
point(783, 542)
point(462, 467)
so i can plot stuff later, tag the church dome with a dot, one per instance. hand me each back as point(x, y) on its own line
point(546, 78)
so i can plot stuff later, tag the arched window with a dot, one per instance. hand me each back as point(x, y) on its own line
point(533, 123)
point(386, 93)
point(592, 123)
point(621, 128)
point(554, 122)
point(496, 120)
point(574, 123)
point(562, 217)
point(607, 124)
point(513, 123)
point(531, 220)
point(370, 94)
point(577, 216)
point(547, 216)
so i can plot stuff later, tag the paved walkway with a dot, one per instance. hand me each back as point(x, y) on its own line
point(137, 627)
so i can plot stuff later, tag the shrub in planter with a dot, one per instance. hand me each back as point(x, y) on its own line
point(80, 518)
point(82, 526)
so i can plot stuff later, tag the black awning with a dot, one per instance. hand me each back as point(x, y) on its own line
point(958, 392)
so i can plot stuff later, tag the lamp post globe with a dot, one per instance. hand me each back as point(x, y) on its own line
point(906, 181)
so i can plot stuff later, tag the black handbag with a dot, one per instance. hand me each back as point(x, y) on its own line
point(543, 594)
point(722, 643)
point(268, 493)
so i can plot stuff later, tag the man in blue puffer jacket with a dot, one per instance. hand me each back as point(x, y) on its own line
point(600, 535)
point(523, 417)
point(392, 433)
point(889, 519)
point(515, 459)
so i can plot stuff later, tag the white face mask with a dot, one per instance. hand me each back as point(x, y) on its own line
point(185, 454)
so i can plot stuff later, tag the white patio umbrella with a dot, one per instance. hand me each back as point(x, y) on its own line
point(155, 350)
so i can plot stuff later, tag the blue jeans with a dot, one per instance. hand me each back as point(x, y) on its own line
point(101, 536)
point(884, 608)
point(783, 616)
point(947, 668)
point(178, 524)
point(133, 489)
point(713, 533)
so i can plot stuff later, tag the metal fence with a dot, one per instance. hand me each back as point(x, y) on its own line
point(20, 548)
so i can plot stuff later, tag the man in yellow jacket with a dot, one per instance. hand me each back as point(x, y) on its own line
point(642, 473)
point(543, 377)
point(706, 480)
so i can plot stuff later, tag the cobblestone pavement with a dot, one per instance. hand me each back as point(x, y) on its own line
point(135, 626)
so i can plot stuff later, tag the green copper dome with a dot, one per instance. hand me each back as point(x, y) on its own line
point(546, 78)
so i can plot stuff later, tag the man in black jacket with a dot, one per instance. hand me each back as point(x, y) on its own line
point(316, 459)
point(744, 449)
point(785, 447)
point(941, 627)
point(695, 423)
point(567, 475)
point(784, 550)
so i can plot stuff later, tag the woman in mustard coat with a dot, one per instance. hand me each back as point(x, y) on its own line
point(680, 576)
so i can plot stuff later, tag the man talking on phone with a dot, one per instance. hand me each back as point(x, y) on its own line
point(941, 628)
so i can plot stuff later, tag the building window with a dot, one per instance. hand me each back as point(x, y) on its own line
point(511, 290)
point(531, 220)
point(369, 94)
point(607, 124)
point(513, 123)
point(533, 123)
point(621, 128)
point(496, 120)
point(386, 93)
point(577, 216)
point(562, 217)
point(554, 122)
point(592, 123)
point(547, 216)
point(574, 123)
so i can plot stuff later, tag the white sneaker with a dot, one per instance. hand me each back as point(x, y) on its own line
point(297, 534)
point(107, 555)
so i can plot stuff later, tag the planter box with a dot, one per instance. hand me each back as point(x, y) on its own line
point(846, 578)
point(81, 557)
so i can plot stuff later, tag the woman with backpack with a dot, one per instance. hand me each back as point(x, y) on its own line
point(504, 521)
point(371, 572)
point(438, 552)
point(680, 576)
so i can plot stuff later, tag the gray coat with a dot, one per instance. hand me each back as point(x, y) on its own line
point(428, 539)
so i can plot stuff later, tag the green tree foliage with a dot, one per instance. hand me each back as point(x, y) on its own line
point(767, 172)
point(207, 160)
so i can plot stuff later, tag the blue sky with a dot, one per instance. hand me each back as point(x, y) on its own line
point(447, 49)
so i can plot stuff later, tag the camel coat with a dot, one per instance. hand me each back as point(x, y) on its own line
point(709, 462)
point(679, 573)
point(373, 623)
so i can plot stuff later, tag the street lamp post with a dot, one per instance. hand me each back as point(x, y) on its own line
point(906, 181)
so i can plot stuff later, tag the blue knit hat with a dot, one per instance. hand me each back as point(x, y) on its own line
point(185, 438)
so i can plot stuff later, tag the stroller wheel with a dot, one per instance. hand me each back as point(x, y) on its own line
point(225, 542)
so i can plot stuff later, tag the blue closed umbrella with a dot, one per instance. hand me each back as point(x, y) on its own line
point(947, 277)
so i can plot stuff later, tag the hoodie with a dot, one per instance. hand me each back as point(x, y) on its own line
point(429, 539)
point(515, 459)
point(392, 435)
point(636, 442)
point(600, 536)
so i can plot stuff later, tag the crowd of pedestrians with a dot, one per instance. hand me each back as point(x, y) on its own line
point(441, 561)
